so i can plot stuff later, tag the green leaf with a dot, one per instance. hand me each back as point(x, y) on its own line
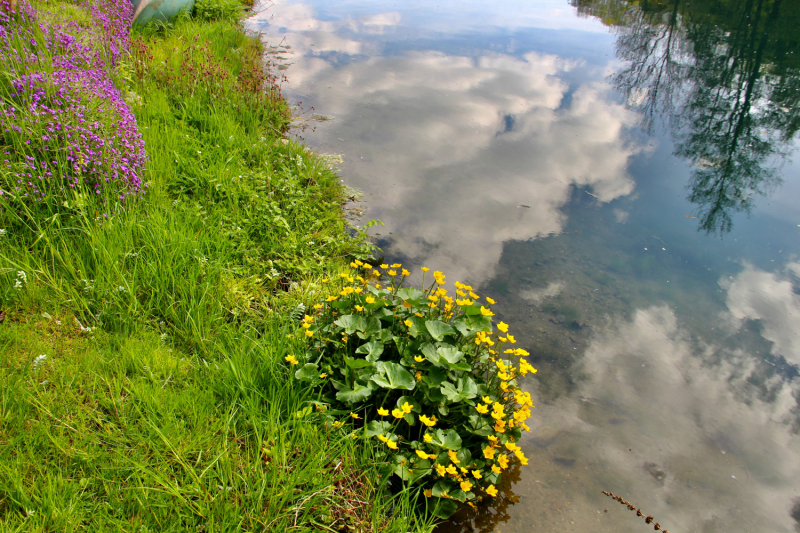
point(309, 372)
point(443, 487)
point(393, 376)
point(371, 326)
point(470, 324)
point(434, 377)
point(464, 389)
point(410, 293)
point(357, 394)
point(444, 508)
point(417, 327)
point(355, 364)
point(449, 439)
point(373, 349)
point(451, 354)
point(377, 427)
point(383, 312)
point(430, 353)
point(439, 329)
point(415, 406)
point(351, 323)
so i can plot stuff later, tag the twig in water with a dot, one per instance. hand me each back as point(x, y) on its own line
point(648, 519)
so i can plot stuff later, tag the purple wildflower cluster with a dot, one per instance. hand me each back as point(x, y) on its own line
point(63, 122)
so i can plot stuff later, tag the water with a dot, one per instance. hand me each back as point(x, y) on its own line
point(623, 179)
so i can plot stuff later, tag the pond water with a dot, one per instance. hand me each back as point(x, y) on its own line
point(622, 177)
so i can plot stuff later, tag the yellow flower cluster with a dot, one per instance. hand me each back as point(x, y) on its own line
point(504, 409)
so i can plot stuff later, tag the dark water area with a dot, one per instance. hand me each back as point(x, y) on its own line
point(622, 177)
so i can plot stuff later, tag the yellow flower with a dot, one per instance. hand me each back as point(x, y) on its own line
point(383, 412)
point(392, 272)
point(407, 305)
point(427, 438)
point(511, 338)
point(461, 293)
point(428, 493)
point(430, 422)
point(418, 376)
point(305, 325)
point(510, 446)
point(367, 267)
point(500, 426)
point(423, 455)
point(309, 333)
point(391, 444)
point(491, 491)
point(502, 460)
point(397, 413)
point(473, 295)
point(502, 326)
point(324, 280)
point(358, 290)
point(477, 474)
point(359, 308)
point(353, 265)
point(384, 266)
point(291, 359)
point(382, 438)
point(520, 352)
point(338, 423)
point(463, 470)
point(323, 376)
point(489, 452)
point(525, 367)
point(318, 306)
point(370, 300)
point(466, 486)
point(408, 323)
point(452, 455)
point(425, 269)
point(451, 470)
point(482, 409)
point(440, 469)
point(490, 300)
point(354, 415)
point(406, 407)
point(486, 312)
point(330, 298)
point(464, 303)
point(419, 358)
point(496, 469)
point(358, 263)
point(521, 456)
point(487, 399)
point(418, 314)
point(405, 272)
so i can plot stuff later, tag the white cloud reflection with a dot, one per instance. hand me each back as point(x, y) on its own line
point(688, 440)
point(758, 295)
point(465, 152)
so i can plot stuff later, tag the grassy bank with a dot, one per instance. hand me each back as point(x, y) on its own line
point(144, 329)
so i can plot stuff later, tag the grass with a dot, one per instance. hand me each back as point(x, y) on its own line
point(163, 402)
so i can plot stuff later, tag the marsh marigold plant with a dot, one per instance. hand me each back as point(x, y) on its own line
point(431, 376)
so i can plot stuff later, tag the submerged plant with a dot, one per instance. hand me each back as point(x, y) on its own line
point(427, 374)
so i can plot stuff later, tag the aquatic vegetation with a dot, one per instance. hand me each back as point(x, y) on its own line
point(428, 374)
point(65, 127)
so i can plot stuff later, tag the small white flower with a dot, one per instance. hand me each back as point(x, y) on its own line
point(39, 360)
point(2, 232)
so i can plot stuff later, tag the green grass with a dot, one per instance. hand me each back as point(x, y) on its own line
point(163, 402)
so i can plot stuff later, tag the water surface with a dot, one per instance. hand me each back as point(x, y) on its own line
point(622, 178)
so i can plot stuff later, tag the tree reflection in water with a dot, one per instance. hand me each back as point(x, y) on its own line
point(724, 74)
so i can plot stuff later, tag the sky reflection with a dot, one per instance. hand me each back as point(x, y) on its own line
point(493, 145)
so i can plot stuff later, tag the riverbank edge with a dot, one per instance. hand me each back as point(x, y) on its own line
point(117, 416)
